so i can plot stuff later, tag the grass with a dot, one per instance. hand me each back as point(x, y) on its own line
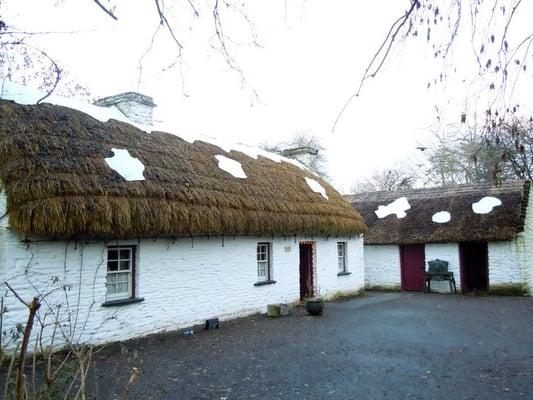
point(509, 289)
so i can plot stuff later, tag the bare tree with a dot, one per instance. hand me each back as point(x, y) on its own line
point(24, 60)
point(499, 149)
point(500, 51)
point(398, 178)
point(512, 142)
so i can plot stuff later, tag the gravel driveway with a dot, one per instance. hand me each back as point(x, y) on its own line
point(377, 346)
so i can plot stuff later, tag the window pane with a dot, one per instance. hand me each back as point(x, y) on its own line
point(261, 269)
point(341, 255)
point(124, 265)
point(125, 254)
point(112, 254)
point(263, 261)
point(122, 288)
point(112, 265)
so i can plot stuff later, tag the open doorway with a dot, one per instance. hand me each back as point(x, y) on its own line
point(474, 258)
point(306, 270)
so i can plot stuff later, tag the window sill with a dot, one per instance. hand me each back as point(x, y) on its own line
point(122, 302)
point(344, 273)
point(264, 283)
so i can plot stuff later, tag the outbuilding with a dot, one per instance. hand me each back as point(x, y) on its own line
point(484, 232)
point(122, 230)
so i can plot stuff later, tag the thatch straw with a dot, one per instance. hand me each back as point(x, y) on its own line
point(502, 223)
point(58, 184)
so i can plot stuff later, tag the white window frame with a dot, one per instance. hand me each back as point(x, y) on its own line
point(342, 259)
point(128, 273)
point(264, 261)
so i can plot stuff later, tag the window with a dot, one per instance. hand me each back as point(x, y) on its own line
point(264, 267)
point(341, 257)
point(120, 273)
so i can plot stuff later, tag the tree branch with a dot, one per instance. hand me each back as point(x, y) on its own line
point(382, 54)
point(106, 10)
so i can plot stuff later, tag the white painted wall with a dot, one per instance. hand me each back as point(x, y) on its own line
point(525, 241)
point(183, 282)
point(382, 266)
point(329, 283)
point(505, 263)
point(447, 252)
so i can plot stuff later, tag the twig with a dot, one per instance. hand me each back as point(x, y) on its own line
point(106, 10)
point(133, 377)
point(164, 21)
point(9, 372)
point(16, 294)
point(382, 54)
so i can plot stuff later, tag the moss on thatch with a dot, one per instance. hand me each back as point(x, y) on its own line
point(58, 184)
point(502, 223)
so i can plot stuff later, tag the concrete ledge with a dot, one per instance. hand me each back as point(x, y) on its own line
point(344, 273)
point(262, 283)
point(122, 302)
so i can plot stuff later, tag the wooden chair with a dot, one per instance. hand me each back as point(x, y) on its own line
point(438, 271)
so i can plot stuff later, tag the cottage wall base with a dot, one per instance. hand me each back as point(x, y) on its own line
point(183, 282)
point(510, 265)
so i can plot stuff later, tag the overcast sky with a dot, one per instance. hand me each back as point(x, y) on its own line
point(311, 57)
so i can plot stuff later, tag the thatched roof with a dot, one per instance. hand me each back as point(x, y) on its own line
point(58, 185)
point(502, 223)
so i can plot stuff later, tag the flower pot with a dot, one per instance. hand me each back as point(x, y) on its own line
point(285, 310)
point(314, 307)
point(273, 310)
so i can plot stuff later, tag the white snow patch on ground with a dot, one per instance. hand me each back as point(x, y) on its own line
point(486, 204)
point(398, 207)
point(130, 168)
point(441, 217)
point(316, 187)
point(231, 166)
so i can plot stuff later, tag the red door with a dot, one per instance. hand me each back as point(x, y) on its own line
point(306, 270)
point(412, 262)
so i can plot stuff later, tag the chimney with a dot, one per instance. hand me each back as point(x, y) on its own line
point(135, 106)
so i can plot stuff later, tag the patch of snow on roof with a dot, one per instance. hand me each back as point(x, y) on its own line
point(250, 151)
point(130, 168)
point(231, 166)
point(441, 217)
point(316, 187)
point(24, 95)
point(486, 204)
point(398, 207)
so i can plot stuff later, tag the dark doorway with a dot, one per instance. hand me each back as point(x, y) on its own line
point(474, 258)
point(306, 270)
point(412, 263)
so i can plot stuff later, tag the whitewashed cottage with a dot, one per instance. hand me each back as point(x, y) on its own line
point(123, 230)
point(485, 233)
